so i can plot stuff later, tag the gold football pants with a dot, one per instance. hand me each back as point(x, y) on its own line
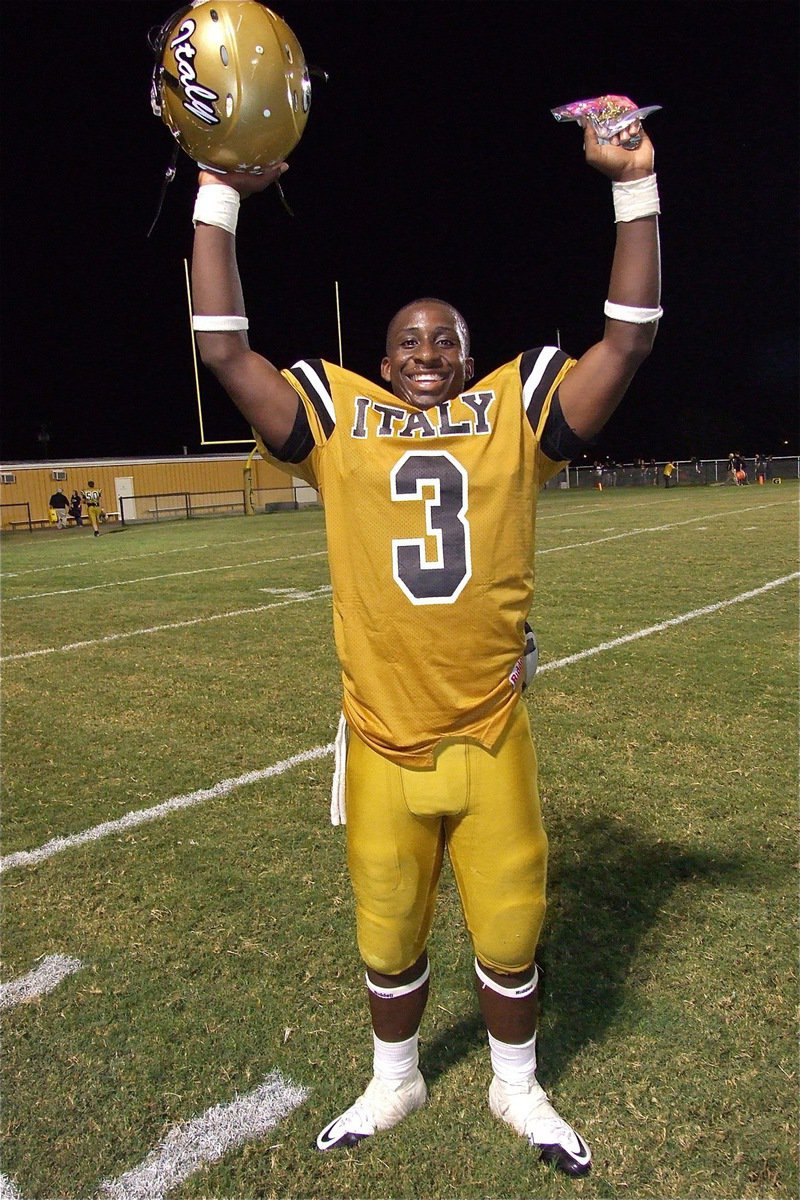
point(484, 807)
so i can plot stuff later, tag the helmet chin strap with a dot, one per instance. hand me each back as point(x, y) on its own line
point(156, 38)
point(169, 175)
point(284, 201)
point(171, 172)
point(319, 74)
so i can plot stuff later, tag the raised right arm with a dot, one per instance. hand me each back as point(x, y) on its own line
point(264, 398)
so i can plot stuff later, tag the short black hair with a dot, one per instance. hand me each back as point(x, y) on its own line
point(460, 324)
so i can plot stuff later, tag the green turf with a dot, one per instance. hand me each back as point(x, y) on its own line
point(218, 941)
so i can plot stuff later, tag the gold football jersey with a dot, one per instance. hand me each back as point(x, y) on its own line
point(430, 519)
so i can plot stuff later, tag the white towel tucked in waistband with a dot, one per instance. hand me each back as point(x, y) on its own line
point(338, 807)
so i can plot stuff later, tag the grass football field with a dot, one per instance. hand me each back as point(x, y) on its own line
point(183, 1004)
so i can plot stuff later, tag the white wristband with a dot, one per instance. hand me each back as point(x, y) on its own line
point(217, 204)
point(634, 198)
point(635, 316)
point(219, 324)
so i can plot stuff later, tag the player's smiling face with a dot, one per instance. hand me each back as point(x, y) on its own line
point(426, 360)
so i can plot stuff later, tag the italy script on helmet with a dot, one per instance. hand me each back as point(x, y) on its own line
point(231, 84)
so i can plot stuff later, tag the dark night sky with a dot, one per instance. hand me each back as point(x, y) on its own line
point(430, 165)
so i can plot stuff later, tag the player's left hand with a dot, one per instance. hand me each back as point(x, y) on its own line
point(617, 158)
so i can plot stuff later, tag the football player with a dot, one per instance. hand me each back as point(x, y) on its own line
point(429, 481)
point(91, 499)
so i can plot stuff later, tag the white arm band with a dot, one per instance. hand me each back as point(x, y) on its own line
point(219, 324)
point(635, 316)
point(634, 198)
point(217, 204)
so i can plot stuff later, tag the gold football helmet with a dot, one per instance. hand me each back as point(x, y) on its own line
point(231, 83)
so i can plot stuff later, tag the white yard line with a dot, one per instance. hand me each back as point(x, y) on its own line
point(559, 516)
point(23, 858)
point(597, 509)
point(39, 981)
point(706, 610)
point(312, 594)
point(124, 558)
point(191, 1144)
point(296, 598)
point(316, 554)
point(94, 587)
point(615, 537)
point(201, 1140)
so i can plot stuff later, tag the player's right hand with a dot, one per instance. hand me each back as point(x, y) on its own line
point(245, 182)
point(628, 155)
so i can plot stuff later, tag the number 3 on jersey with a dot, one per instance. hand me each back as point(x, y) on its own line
point(442, 578)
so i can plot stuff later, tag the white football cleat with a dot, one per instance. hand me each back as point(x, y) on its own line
point(525, 1107)
point(379, 1107)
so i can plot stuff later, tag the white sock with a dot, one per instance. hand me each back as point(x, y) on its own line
point(394, 1062)
point(513, 1064)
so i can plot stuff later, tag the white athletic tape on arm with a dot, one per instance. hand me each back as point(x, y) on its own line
point(635, 316)
point(217, 204)
point(634, 198)
point(219, 324)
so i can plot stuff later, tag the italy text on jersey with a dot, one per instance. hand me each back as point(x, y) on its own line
point(387, 420)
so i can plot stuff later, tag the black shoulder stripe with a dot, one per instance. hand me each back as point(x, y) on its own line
point(300, 441)
point(310, 372)
point(539, 369)
point(559, 441)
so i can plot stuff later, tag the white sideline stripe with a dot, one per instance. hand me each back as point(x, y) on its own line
point(318, 553)
point(594, 508)
point(39, 981)
point(92, 562)
point(95, 587)
point(239, 612)
point(615, 537)
point(662, 625)
point(22, 858)
point(191, 1144)
point(561, 516)
point(8, 1190)
point(297, 598)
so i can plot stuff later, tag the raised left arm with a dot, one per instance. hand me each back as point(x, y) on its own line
point(596, 384)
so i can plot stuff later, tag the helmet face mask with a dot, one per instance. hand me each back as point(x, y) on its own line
point(231, 84)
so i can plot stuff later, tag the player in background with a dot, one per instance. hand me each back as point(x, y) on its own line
point(91, 499)
point(429, 486)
